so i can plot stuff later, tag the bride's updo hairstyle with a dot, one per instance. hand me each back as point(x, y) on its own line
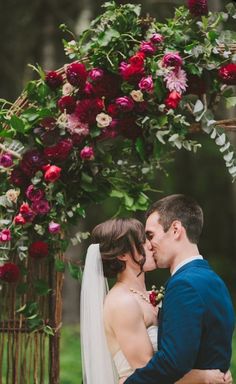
point(116, 237)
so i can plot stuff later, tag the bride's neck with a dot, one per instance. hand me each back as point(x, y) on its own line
point(129, 278)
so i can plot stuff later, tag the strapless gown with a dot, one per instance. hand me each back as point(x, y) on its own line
point(122, 366)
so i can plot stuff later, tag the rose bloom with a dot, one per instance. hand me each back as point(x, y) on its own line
point(53, 79)
point(5, 235)
point(54, 227)
point(125, 103)
point(96, 74)
point(198, 7)
point(38, 249)
point(41, 207)
point(147, 47)
point(6, 160)
point(227, 74)
point(19, 220)
point(12, 195)
point(172, 59)
point(32, 161)
point(59, 151)
point(172, 101)
point(137, 95)
point(103, 120)
point(9, 272)
point(87, 153)
point(76, 74)
point(137, 60)
point(18, 177)
point(27, 212)
point(33, 193)
point(108, 86)
point(157, 38)
point(87, 110)
point(130, 72)
point(52, 173)
point(113, 110)
point(67, 103)
point(67, 89)
point(75, 126)
point(146, 84)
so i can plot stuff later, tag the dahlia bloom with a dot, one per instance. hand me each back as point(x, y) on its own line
point(198, 7)
point(176, 80)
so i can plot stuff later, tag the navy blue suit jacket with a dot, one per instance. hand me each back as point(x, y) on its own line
point(196, 324)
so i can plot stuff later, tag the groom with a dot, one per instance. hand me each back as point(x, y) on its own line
point(196, 321)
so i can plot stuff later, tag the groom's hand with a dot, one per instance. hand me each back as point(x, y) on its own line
point(228, 378)
point(122, 380)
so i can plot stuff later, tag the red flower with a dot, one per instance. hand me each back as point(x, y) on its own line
point(38, 249)
point(76, 74)
point(67, 103)
point(32, 162)
point(18, 177)
point(52, 173)
point(9, 272)
point(198, 7)
point(33, 193)
point(129, 128)
point(152, 298)
point(87, 110)
point(60, 151)
point(137, 60)
point(53, 79)
point(113, 110)
point(5, 235)
point(172, 101)
point(108, 86)
point(227, 74)
point(27, 213)
point(19, 220)
point(131, 73)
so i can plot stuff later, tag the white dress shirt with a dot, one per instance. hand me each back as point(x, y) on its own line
point(186, 261)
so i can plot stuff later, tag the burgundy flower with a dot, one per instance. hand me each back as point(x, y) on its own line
point(41, 207)
point(172, 59)
point(9, 272)
point(33, 193)
point(52, 173)
point(173, 99)
point(129, 128)
point(60, 151)
point(113, 110)
point(54, 79)
point(49, 123)
point(18, 177)
point(157, 38)
point(111, 131)
point(6, 160)
point(54, 227)
point(147, 47)
point(19, 220)
point(198, 7)
point(38, 250)
point(67, 103)
point(87, 153)
point(27, 213)
point(152, 298)
point(227, 74)
point(96, 74)
point(87, 110)
point(88, 90)
point(196, 85)
point(108, 86)
point(125, 103)
point(76, 74)
point(32, 162)
point(146, 84)
point(5, 235)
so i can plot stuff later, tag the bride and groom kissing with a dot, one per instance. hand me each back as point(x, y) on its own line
point(124, 338)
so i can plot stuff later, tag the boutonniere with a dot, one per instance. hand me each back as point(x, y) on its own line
point(156, 296)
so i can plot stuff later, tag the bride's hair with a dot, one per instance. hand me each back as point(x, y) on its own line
point(116, 237)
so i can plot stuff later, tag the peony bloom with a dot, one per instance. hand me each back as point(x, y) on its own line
point(33, 193)
point(12, 195)
point(9, 272)
point(87, 153)
point(76, 74)
point(67, 103)
point(131, 72)
point(172, 59)
point(32, 162)
point(38, 250)
point(54, 79)
point(6, 160)
point(41, 207)
point(19, 220)
point(147, 47)
point(67, 89)
point(137, 95)
point(54, 227)
point(96, 74)
point(146, 84)
point(198, 7)
point(157, 38)
point(52, 173)
point(176, 80)
point(27, 213)
point(103, 120)
point(227, 74)
point(59, 151)
point(5, 235)
point(108, 86)
point(87, 110)
point(74, 126)
point(125, 103)
point(172, 101)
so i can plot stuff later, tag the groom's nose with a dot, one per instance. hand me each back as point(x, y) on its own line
point(149, 245)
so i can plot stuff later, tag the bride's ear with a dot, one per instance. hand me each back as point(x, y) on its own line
point(123, 257)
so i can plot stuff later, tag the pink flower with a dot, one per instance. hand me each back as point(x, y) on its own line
point(52, 173)
point(146, 84)
point(147, 47)
point(172, 59)
point(172, 101)
point(67, 103)
point(75, 126)
point(9, 272)
point(125, 103)
point(5, 235)
point(54, 79)
point(176, 80)
point(6, 160)
point(227, 74)
point(33, 193)
point(41, 207)
point(76, 74)
point(87, 153)
point(96, 74)
point(198, 7)
point(157, 38)
point(54, 227)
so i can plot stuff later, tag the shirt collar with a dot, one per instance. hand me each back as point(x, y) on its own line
point(186, 261)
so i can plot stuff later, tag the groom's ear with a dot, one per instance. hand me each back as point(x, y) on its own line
point(177, 229)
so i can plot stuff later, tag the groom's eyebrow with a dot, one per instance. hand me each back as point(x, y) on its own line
point(148, 233)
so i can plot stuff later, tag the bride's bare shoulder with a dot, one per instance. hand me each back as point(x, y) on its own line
point(119, 297)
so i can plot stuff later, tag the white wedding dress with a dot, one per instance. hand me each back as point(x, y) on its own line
point(122, 366)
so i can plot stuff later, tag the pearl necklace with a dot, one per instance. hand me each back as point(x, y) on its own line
point(140, 294)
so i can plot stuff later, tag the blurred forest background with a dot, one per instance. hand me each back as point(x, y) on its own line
point(30, 34)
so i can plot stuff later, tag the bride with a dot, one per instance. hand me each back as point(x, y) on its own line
point(119, 328)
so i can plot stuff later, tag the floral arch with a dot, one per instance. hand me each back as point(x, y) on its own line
point(135, 91)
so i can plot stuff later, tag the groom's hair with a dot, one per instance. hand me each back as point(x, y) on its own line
point(116, 237)
point(182, 208)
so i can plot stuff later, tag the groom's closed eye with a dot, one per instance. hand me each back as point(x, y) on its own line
point(149, 235)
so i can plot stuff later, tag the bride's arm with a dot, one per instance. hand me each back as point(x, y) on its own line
point(208, 376)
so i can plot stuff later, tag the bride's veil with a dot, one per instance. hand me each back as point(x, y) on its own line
point(97, 362)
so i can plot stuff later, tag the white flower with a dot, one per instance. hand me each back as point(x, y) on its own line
point(176, 80)
point(67, 89)
point(12, 195)
point(70, 48)
point(103, 120)
point(137, 95)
